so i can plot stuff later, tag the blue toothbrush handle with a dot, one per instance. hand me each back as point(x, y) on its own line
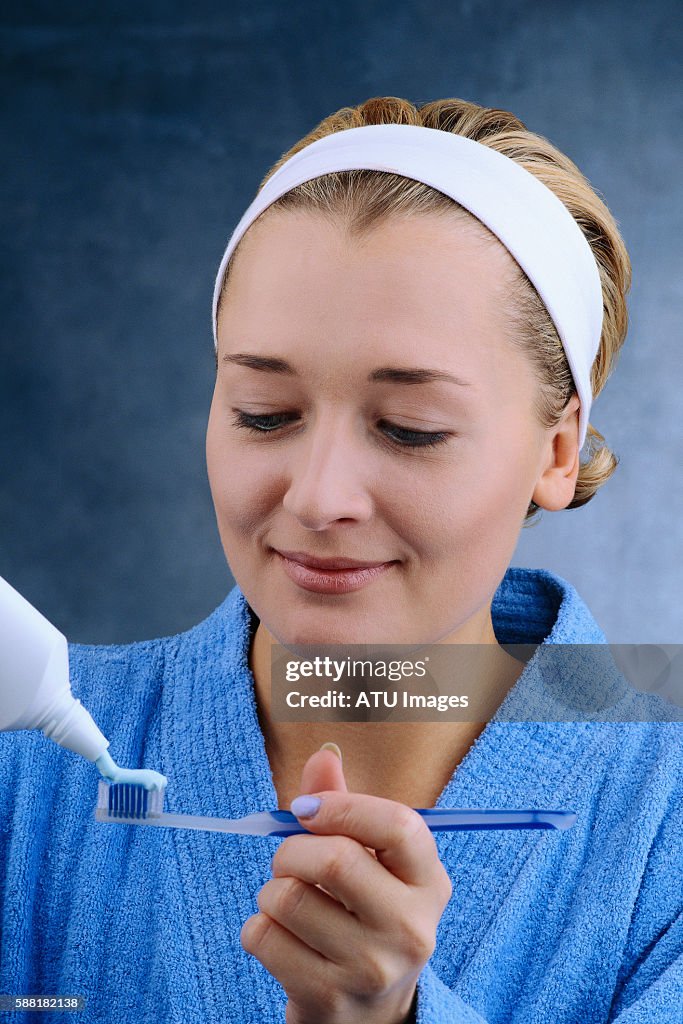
point(450, 819)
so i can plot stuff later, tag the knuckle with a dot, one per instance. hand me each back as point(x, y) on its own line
point(375, 978)
point(446, 886)
point(276, 865)
point(328, 1000)
point(418, 945)
point(264, 898)
point(284, 854)
point(253, 932)
point(406, 822)
point(290, 896)
point(341, 862)
point(345, 818)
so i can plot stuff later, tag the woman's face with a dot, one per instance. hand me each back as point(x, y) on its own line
point(343, 470)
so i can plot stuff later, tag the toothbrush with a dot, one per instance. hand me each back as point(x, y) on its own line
point(125, 803)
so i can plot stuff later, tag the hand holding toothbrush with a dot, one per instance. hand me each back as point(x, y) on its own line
point(345, 930)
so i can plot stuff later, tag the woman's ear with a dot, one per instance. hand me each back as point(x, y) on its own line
point(556, 485)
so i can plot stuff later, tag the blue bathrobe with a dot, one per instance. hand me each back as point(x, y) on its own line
point(543, 927)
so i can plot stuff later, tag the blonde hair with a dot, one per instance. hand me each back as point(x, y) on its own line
point(364, 198)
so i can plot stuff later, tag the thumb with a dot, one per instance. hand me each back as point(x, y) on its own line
point(323, 770)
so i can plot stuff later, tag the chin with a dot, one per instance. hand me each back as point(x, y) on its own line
point(334, 627)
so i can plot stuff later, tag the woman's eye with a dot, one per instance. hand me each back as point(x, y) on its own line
point(403, 437)
point(259, 423)
point(414, 438)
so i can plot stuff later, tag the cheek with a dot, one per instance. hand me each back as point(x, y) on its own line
point(473, 506)
point(242, 482)
point(499, 489)
point(238, 495)
point(228, 474)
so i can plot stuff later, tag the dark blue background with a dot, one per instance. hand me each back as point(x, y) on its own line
point(135, 136)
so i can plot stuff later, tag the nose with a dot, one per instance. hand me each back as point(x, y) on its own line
point(327, 476)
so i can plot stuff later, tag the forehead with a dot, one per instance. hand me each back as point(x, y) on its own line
point(416, 286)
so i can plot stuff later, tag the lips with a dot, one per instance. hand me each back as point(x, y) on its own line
point(313, 562)
point(330, 578)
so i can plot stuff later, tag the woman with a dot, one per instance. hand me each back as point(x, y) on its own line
point(391, 390)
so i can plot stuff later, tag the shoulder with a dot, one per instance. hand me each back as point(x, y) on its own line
point(646, 809)
point(638, 787)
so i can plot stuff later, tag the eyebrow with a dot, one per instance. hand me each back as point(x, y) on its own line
point(394, 374)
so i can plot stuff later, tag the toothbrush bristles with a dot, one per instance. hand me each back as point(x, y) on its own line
point(127, 800)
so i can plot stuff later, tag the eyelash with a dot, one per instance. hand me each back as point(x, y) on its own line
point(264, 424)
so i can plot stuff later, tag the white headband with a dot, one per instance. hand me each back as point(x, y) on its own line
point(528, 218)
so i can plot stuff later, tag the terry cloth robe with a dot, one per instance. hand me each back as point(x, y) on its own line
point(583, 926)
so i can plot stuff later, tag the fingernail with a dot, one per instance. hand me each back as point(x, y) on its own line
point(333, 747)
point(305, 806)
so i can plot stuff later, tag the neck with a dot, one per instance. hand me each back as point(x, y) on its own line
point(379, 757)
